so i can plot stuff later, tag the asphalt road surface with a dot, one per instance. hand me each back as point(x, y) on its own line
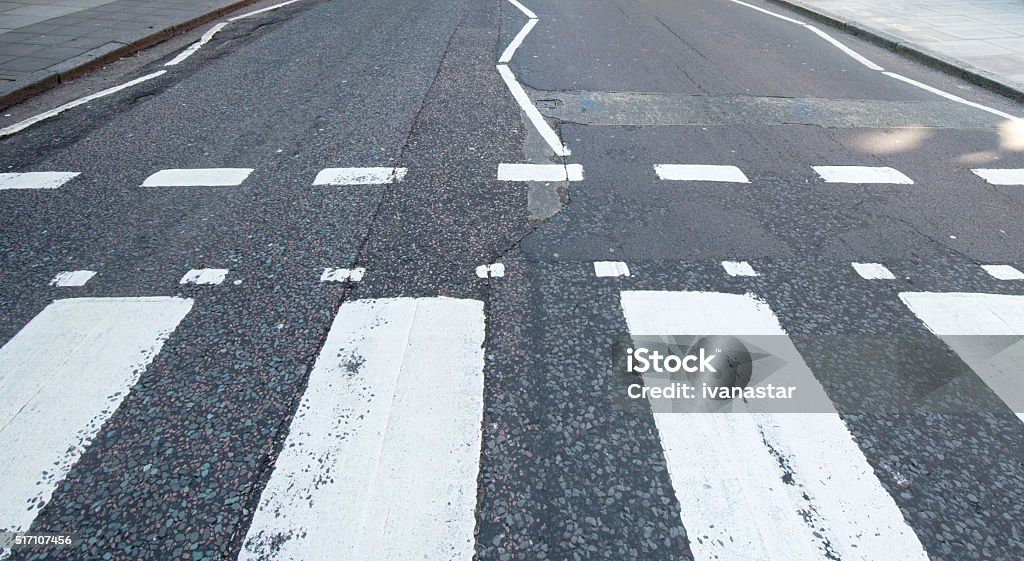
point(326, 290)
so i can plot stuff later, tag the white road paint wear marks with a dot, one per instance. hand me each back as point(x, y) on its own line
point(540, 172)
point(1001, 176)
point(523, 9)
point(381, 461)
point(739, 269)
point(694, 172)
point(35, 179)
point(873, 271)
point(976, 326)
point(853, 54)
point(197, 45)
point(542, 126)
point(784, 485)
point(204, 276)
point(200, 177)
point(1003, 272)
point(510, 50)
point(343, 275)
point(862, 174)
point(72, 278)
point(61, 377)
point(359, 176)
point(494, 270)
point(611, 269)
point(262, 10)
point(22, 125)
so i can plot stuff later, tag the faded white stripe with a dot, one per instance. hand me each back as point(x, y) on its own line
point(204, 276)
point(359, 176)
point(72, 278)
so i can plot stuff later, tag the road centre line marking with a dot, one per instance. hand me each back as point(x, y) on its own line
point(523, 9)
point(788, 485)
point(540, 172)
point(204, 276)
point(382, 458)
point(873, 271)
point(61, 377)
point(197, 45)
point(198, 177)
point(694, 172)
point(1001, 176)
point(1003, 272)
point(610, 269)
point(359, 176)
point(36, 179)
point(545, 130)
point(510, 50)
point(739, 269)
point(862, 174)
point(72, 278)
point(22, 125)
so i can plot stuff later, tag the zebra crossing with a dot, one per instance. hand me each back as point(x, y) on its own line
point(382, 457)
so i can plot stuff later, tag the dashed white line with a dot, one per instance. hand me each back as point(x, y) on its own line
point(510, 50)
point(197, 45)
point(72, 278)
point(494, 270)
point(36, 179)
point(540, 172)
point(1001, 176)
point(1003, 272)
point(695, 172)
point(342, 275)
point(873, 271)
point(200, 177)
point(739, 269)
point(610, 269)
point(862, 174)
point(359, 176)
point(382, 458)
point(204, 276)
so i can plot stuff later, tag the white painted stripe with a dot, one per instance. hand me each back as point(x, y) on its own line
point(545, 130)
point(693, 172)
point(540, 172)
point(1004, 272)
point(726, 468)
point(197, 45)
point(873, 271)
point(950, 96)
point(853, 54)
point(343, 275)
point(739, 269)
point(510, 50)
point(61, 377)
point(35, 179)
point(768, 12)
point(200, 177)
point(72, 278)
point(964, 321)
point(523, 9)
point(204, 276)
point(1001, 176)
point(262, 10)
point(862, 174)
point(22, 125)
point(381, 461)
point(611, 269)
point(494, 270)
point(359, 176)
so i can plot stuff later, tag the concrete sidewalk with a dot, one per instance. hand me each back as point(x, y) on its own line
point(45, 42)
point(979, 40)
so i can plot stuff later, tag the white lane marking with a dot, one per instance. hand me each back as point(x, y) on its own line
point(1003, 272)
point(694, 172)
point(873, 271)
point(523, 9)
point(739, 269)
point(542, 126)
point(862, 174)
point(359, 176)
point(72, 278)
point(853, 54)
point(381, 461)
point(540, 172)
point(784, 485)
point(1001, 176)
point(36, 179)
point(21, 125)
point(197, 45)
point(204, 276)
point(61, 377)
point(200, 177)
point(610, 269)
point(769, 12)
point(262, 10)
point(342, 275)
point(510, 50)
point(950, 96)
point(975, 326)
point(494, 270)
